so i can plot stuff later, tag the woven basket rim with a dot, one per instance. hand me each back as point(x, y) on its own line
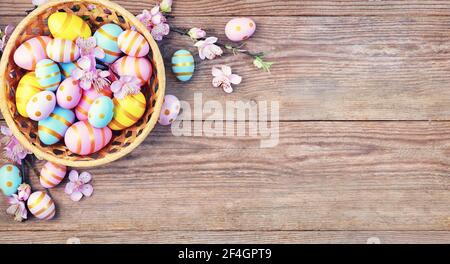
point(110, 157)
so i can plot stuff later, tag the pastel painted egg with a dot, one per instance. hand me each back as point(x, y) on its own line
point(69, 94)
point(183, 65)
point(138, 67)
point(169, 110)
point(48, 74)
point(10, 179)
point(127, 111)
point(63, 50)
point(41, 105)
point(133, 44)
point(67, 68)
point(27, 88)
point(87, 100)
point(107, 36)
point(84, 139)
point(52, 174)
point(68, 26)
point(30, 52)
point(239, 29)
point(101, 112)
point(41, 205)
point(52, 129)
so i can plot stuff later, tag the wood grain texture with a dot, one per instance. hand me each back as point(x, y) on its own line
point(226, 237)
point(334, 68)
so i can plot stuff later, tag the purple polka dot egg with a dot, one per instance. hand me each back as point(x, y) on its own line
point(170, 110)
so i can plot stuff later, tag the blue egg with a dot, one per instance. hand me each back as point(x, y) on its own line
point(67, 68)
point(10, 179)
point(52, 129)
point(48, 74)
point(183, 65)
point(106, 37)
point(101, 112)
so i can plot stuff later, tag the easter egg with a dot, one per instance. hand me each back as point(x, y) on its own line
point(106, 37)
point(10, 179)
point(30, 52)
point(52, 129)
point(52, 174)
point(183, 65)
point(133, 44)
point(101, 112)
point(41, 105)
point(68, 26)
point(239, 29)
point(28, 86)
point(138, 67)
point(84, 139)
point(69, 94)
point(63, 50)
point(127, 111)
point(48, 74)
point(87, 100)
point(41, 205)
point(67, 68)
point(169, 110)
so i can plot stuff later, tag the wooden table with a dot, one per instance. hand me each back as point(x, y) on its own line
point(363, 153)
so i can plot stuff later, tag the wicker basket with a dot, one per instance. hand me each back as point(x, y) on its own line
point(25, 130)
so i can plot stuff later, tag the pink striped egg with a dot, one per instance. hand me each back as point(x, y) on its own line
point(41, 205)
point(63, 50)
point(133, 43)
point(87, 100)
point(69, 94)
point(138, 67)
point(52, 174)
point(84, 139)
point(31, 52)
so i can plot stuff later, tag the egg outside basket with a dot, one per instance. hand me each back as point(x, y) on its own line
point(26, 130)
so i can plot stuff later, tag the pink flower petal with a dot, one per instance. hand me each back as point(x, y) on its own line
point(227, 88)
point(73, 176)
point(76, 196)
point(6, 131)
point(85, 177)
point(235, 79)
point(226, 70)
point(84, 63)
point(77, 74)
point(99, 53)
point(85, 84)
point(70, 187)
point(87, 190)
point(217, 72)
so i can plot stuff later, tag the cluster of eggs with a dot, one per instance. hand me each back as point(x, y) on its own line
point(47, 94)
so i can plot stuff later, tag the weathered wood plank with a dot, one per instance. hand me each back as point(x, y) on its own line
point(334, 68)
point(321, 176)
point(199, 8)
point(226, 237)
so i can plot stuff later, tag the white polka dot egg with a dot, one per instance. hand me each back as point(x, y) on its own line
point(239, 29)
point(170, 110)
point(41, 105)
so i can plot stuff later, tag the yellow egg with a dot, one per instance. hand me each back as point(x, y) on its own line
point(27, 88)
point(127, 111)
point(68, 26)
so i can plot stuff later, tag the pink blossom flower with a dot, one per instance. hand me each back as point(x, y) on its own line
point(4, 36)
point(39, 2)
point(166, 6)
point(14, 151)
point(24, 191)
point(223, 77)
point(89, 76)
point(88, 48)
point(17, 208)
point(155, 22)
point(207, 49)
point(126, 85)
point(196, 33)
point(79, 185)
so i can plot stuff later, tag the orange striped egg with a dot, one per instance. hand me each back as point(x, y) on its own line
point(31, 52)
point(127, 111)
point(41, 205)
point(84, 139)
point(52, 174)
point(138, 67)
point(87, 100)
point(27, 88)
point(133, 43)
point(63, 50)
